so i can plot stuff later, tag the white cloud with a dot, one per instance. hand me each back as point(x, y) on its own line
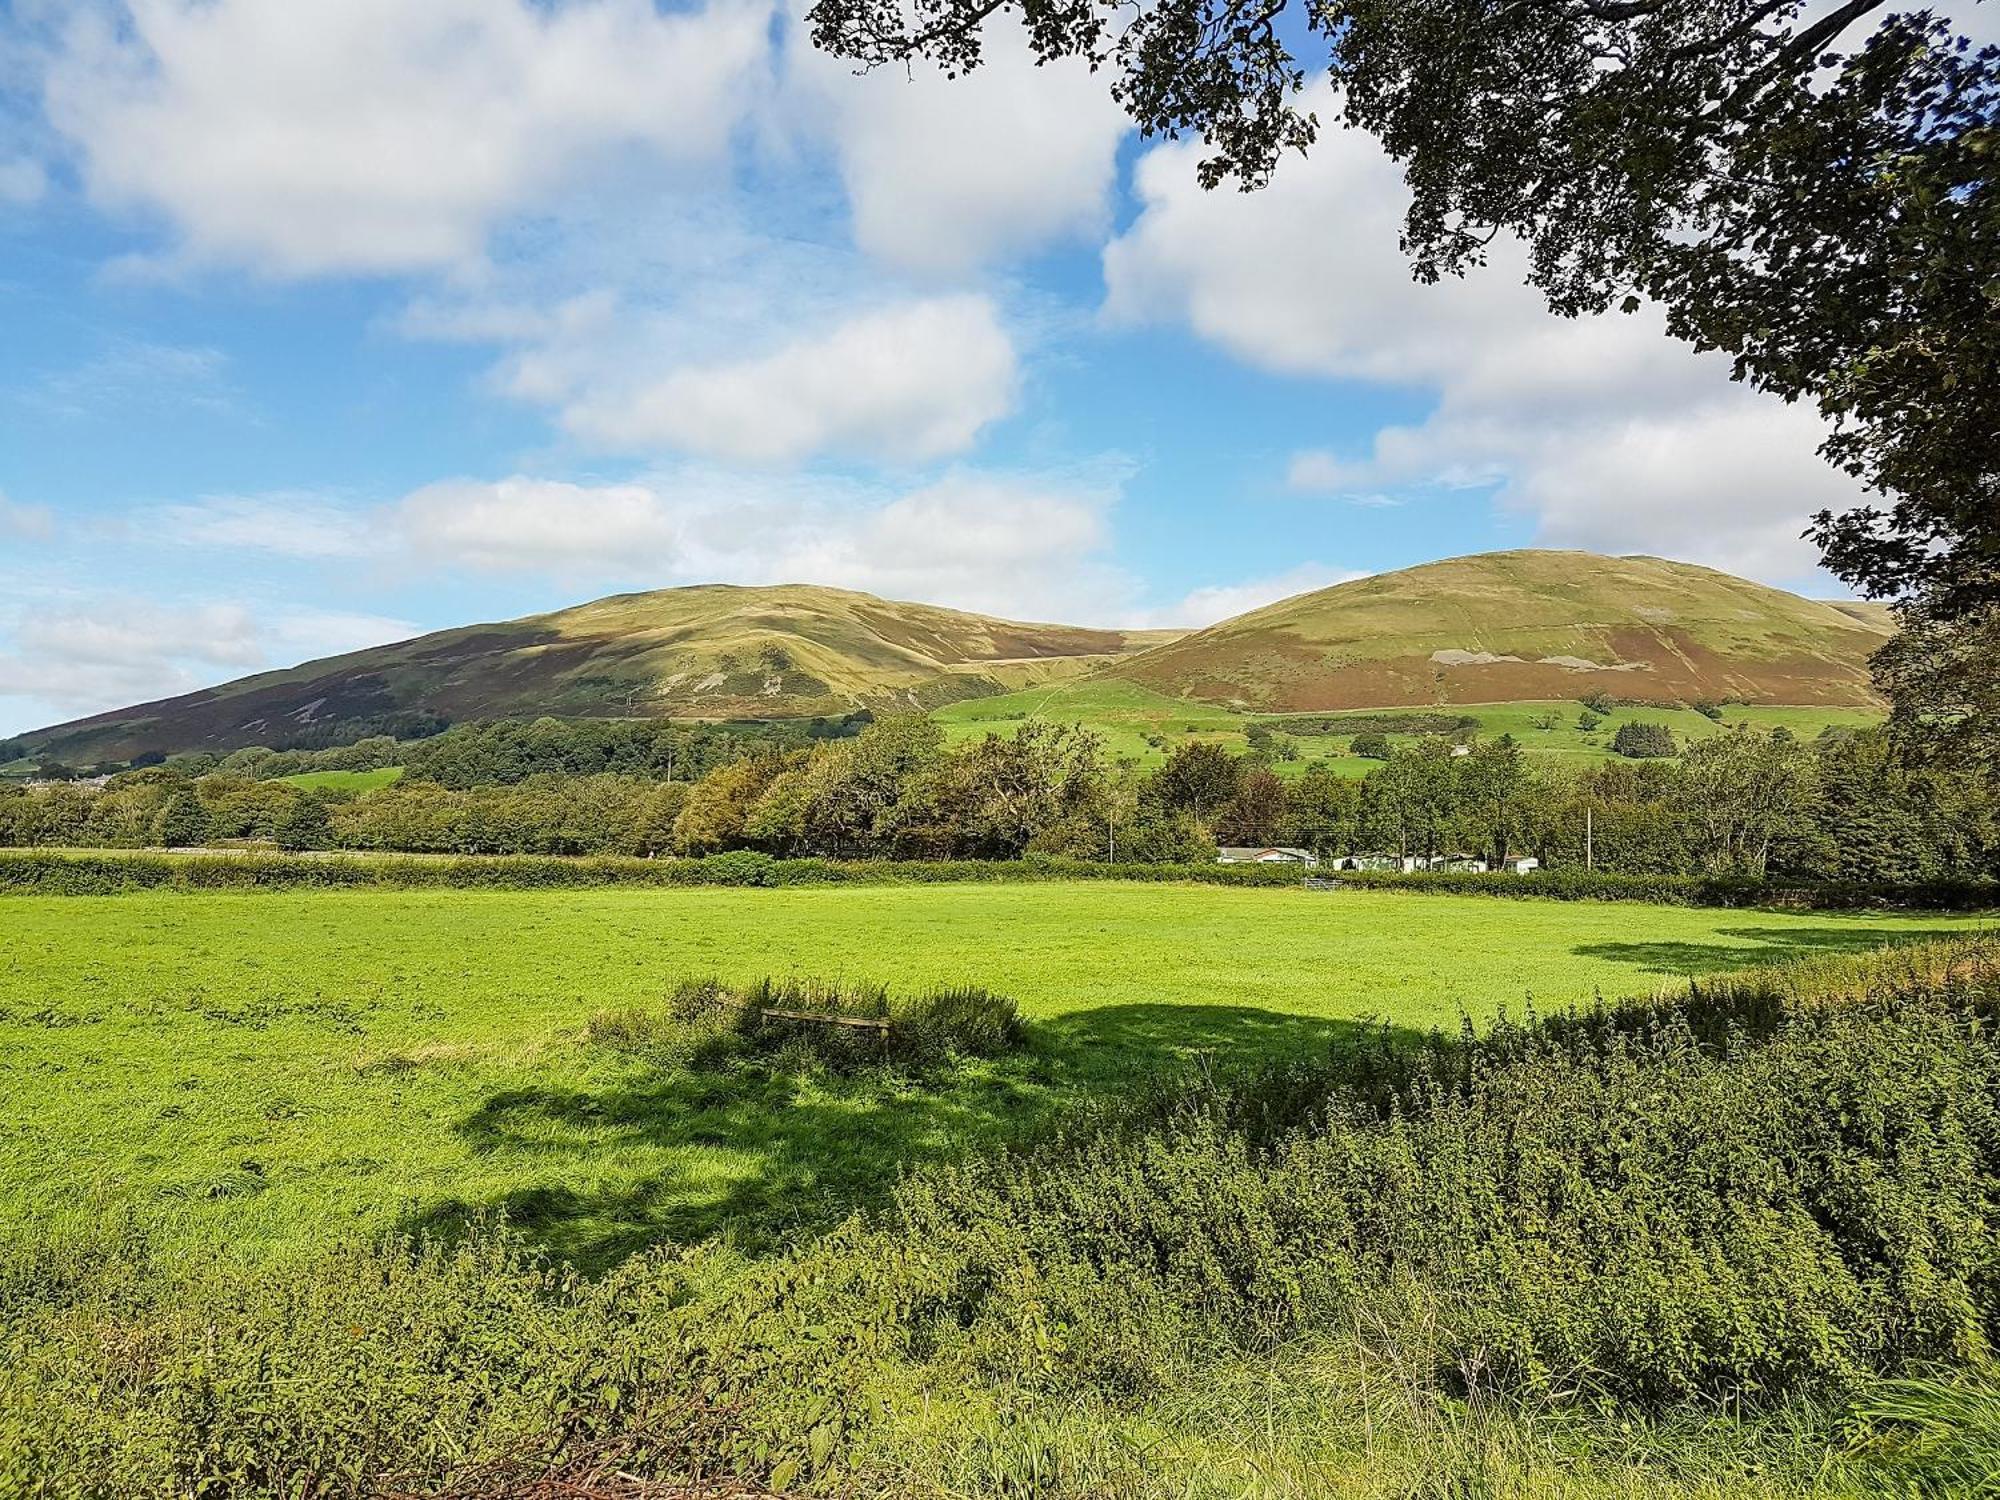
point(1011, 543)
point(911, 382)
point(85, 654)
point(1605, 431)
point(133, 374)
point(1205, 606)
point(946, 174)
point(33, 523)
point(539, 525)
point(290, 525)
point(310, 136)
point(312, 633)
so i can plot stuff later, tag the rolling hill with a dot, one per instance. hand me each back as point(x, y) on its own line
point(1496, 628)
point(710, 652)
point(1510, 626)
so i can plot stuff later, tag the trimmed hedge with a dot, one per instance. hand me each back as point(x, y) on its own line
point(108, 872)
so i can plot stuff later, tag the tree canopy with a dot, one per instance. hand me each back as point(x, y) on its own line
point(1808, 187)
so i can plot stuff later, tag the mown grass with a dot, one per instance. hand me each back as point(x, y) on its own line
point(1651, 1251)
point(268, 1069)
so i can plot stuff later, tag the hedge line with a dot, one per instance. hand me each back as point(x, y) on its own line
point(61, 873)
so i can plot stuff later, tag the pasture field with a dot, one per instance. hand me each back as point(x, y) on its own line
point(274, 1070)
point(346, 781)
point(1132, 718)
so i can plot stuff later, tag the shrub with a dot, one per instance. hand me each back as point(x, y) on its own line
point(706, 1023)
point(1373, 746)
point(1644, 740)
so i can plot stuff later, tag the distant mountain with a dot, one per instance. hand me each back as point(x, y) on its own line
point(1505, 626)
point(710, 652)
point(1494, 628)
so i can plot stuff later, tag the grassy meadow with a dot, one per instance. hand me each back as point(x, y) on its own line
point(1132, 718)
point(346, 781)
point(275, 1070)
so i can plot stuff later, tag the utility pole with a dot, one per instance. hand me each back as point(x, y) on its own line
point(1589, 852)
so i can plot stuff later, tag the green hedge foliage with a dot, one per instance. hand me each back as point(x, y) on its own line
point(48, 872)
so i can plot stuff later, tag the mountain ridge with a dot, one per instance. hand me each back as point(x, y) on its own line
point(1491, 627)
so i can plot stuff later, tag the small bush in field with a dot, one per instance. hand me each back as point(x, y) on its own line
point(706, 1021)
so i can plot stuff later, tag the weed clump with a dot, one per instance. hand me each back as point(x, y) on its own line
point(844, 1027)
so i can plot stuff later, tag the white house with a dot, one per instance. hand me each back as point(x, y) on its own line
point(1520, 864)
point(1243, 855)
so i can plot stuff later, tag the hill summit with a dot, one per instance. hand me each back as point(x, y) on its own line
point(1493, 628)
point(713, 651)
point(1504, 626)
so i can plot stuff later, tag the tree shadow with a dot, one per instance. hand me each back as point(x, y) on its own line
point(763, 1155)
point(1758, 947)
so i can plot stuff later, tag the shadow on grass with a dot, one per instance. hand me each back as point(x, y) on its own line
point(762, 1155)
point(1757, 947)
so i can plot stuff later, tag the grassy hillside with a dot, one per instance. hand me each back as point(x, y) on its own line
point(713, 652)
point(1506, 627)
point(1142, 726)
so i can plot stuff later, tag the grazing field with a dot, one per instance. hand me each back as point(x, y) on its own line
point(274, 1069)
point(1142, 726)
point(346, 781)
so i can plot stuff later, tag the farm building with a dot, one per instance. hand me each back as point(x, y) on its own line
point(1243, 855)
point(1519, 864)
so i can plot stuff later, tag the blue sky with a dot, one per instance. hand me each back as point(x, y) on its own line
point(323, 322)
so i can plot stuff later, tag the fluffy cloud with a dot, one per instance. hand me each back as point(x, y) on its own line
point(945, 174)
point(911, 382)
point(1012, 543)
point(1606, 432)
point(539, 525)
point(308, 136)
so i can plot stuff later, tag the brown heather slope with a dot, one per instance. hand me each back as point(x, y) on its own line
point(709, 652)
point(1507, 626)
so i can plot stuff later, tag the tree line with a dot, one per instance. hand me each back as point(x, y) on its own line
point(1848, 806)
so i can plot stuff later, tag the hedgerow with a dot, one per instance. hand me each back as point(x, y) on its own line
point(106, 872)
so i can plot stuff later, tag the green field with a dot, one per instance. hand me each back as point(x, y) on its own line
point(346, 781)
point(1131, 718)
point(275, 1069)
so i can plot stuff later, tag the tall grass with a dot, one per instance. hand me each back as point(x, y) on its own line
point(838, 1024)
point(1638, 1250)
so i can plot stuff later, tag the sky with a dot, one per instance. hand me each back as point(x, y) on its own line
point(327, 322)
